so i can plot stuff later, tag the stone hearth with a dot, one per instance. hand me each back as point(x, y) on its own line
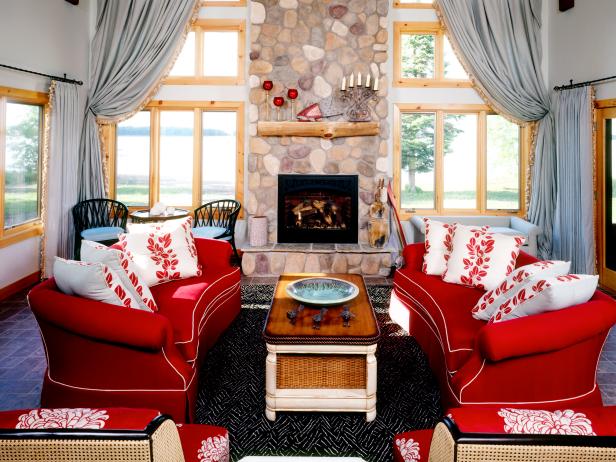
point(275, 259)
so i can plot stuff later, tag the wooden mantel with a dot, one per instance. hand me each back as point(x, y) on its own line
point(319, 129)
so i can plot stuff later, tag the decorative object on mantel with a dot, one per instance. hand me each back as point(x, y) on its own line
point(267, 86)
point(278, 102)
point(310, 113)
point(378, 224)
point(327, 130)
point(292, 94)
point(258, 231)
point(357, 95)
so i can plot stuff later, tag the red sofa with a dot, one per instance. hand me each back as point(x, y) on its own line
point(109, 434)
point(548, 360)
point(105, 355)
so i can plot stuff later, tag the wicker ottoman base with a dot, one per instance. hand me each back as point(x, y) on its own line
point(330, 378)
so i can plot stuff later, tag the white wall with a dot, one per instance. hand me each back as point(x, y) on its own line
point(49, 36)
point(582, 44)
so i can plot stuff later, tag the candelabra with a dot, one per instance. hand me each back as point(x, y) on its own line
point(357, 98)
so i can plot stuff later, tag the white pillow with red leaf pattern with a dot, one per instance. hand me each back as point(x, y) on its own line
point(481, 259)
point(123, 267)
point(550, 294)
point(95, 281)
point(162, 252)
point(439, 244)
point(491, 300)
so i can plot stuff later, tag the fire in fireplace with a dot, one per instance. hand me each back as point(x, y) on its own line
point(317, 208)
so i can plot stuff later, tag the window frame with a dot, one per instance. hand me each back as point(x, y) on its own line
point(415, 5)
point(33, 227)
point(223, 3)
point(198, 108)
point(440, 111)
point(439, 80)
point(214, 25)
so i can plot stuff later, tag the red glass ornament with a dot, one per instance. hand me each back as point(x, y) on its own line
point(278, 101)
point(268, 85)
point(292, 93)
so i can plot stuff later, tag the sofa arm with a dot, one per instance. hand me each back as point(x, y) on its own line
point(213, 252)
point(547, 332)
point(531, 231)
point(413, 256)
point(101, 321)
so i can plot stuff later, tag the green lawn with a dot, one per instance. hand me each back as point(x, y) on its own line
point(20, 205)
point(506, 200)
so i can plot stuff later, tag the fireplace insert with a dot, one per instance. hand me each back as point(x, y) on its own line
point(317, 208)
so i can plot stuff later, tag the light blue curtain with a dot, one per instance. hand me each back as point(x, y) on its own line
point(62, 188)
point(574, 218)
point(499, 42)
point(134, 44)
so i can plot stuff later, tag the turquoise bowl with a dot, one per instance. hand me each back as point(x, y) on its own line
point(322, 291)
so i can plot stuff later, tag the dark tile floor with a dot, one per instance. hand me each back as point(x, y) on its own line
point(22, 358)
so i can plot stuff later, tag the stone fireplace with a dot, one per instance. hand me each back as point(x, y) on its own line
point(317, 208)
point(310, 45)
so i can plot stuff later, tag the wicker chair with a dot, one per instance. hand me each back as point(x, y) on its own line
point(216, 220)
point(107, 434)
point(100, 220)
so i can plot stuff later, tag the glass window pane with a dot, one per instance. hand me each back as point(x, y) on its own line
point(185, 63)
point(417, 55)
point(220, 53)
point(503, 164)
point(417, 156)
point(133, 160)
point(219, 155)
point(460, 161)
point(453, 68)
point(21, 188)
point(176, 157)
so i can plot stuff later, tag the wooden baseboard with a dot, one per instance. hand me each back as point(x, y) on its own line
point(20, 284)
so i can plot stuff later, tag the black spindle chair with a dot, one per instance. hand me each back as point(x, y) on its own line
point(216, 220)
point(100, 220)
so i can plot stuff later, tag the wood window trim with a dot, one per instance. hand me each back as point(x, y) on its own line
point(481, 208)
point(439, 80)
point(216, 25)
point(34, 227)
point(224, 3)
point(604, 109)
point(198, 107)
point(415, 5)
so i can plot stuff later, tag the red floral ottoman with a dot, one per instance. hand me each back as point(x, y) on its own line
point(512, 434)
point(110, 435)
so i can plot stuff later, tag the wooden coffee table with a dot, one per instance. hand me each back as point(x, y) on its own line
point(331, 369)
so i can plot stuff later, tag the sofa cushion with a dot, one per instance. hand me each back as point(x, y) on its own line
point(439, 244)
point(204, 443)
point(188, 303)
point(481, 259)
point(550, 294)
point(95, 281)
point(446, 308)
point(162, 252)
point(412, 446)
point(524, 275)
point(123, 266)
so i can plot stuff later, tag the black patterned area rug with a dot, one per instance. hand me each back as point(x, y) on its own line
point(232, 392)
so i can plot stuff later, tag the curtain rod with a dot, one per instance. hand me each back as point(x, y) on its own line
point(53, 77)
point(582, 84)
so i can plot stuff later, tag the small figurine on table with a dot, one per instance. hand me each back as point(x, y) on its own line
point(346, 316)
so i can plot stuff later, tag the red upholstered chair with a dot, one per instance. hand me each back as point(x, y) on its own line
point(101, 355)
point(511, 435)
point(113, 434)
point(547, 360)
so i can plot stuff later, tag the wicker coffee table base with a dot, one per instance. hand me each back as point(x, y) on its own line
point(320, 378)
